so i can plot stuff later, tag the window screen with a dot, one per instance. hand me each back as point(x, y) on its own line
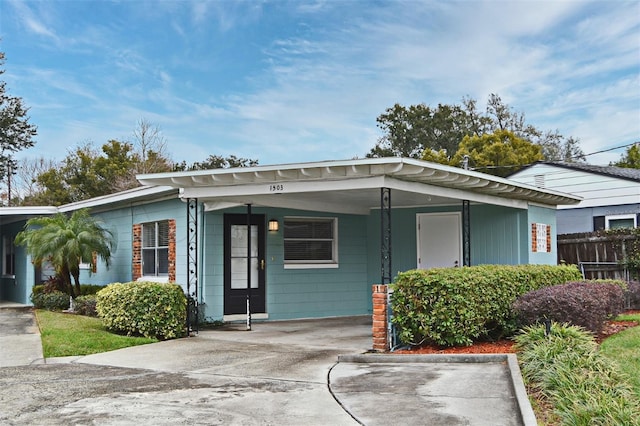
point(309, 240)
point(155, 248)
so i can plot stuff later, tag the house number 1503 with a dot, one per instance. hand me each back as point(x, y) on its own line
point(276, 188)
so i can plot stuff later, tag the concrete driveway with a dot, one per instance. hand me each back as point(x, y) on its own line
point(280, 373)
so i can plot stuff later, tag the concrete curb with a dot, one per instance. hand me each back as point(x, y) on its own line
point(520, 393)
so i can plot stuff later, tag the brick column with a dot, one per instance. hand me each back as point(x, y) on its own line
point(136, 264)
point(379, 328)
point(172, 250)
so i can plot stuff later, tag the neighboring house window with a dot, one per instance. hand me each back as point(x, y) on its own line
point(621, 221)
point(615, 221)
point(154, 250)
point(9, 256)
point(310, 241)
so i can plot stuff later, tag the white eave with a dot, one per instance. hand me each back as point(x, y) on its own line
point(324, 176)
point(129, 196)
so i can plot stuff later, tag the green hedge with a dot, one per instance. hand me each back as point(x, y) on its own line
point(143, 308)
point(53, 301)
point(455, 306)
point(85, 289)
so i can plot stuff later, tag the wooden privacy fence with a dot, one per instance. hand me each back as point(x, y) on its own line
point(599, 255)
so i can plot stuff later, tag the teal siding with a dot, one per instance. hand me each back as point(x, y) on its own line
point(498, 235)
point(545, 216)
point(18, 288)
point(296, 293)
point(120, 222)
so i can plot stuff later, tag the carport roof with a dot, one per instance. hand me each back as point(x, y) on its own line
point(352, 186)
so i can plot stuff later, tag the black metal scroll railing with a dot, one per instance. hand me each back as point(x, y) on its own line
point(192, 265)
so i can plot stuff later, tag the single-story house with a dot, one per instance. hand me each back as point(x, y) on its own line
point(303, 240)
point(610, 195)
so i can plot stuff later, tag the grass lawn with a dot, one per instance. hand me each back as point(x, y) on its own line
point(67, 334)
point(624, 349)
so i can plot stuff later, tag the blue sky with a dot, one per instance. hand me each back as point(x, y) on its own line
point(295, 81)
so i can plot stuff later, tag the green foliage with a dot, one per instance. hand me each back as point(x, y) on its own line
point(454, 306)
point(584, 387)
point(435, 134)
point(143, 308)
point(53, 301)
point(85, 173)
point(409, 131)
point(66, 242)
point(89, 289)
point(622, 348)
point(630, 159)
point(586, 303)
point(86, 305)
point(216, 162)
point(499, 153)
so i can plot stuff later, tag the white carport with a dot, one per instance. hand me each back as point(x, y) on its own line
point(350, 187)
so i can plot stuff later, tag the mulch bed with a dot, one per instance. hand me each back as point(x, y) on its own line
point(506, 346)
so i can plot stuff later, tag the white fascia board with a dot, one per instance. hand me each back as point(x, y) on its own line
point(28, 211)
point(131, 195)
point(292, 187)
point(427, 189)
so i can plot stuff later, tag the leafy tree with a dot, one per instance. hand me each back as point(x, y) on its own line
point(500, 153)
point(409, 131)
point(422, 132)
point(216, 162)
point(66, 242)
point(16, 132)
point(85, 173)
point(630, 159)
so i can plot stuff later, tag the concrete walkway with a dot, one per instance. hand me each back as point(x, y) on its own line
point(313, 372)
point(20, 342)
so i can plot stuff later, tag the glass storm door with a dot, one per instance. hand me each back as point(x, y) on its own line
point(236, 259)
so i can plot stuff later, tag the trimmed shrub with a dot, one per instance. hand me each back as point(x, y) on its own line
point(455, 306)
point(633, 295)
point(86, 305)
point(586, 303)
point(54, 301)
point(89, 289)
point(582, 385)
point(53, 284)
point(143, 308)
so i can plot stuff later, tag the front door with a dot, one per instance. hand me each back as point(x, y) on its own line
point(439, 240)
point(236, 290)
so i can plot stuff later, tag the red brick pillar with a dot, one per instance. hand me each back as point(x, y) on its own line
point(379, 328)
point(172, 251)
point(136, 264)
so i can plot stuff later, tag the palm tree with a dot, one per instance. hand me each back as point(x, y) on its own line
point(67, 241)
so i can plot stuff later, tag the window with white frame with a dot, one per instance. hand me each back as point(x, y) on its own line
point(155, 248)
point(621, 221)
point(8, 256)
point(310, 241)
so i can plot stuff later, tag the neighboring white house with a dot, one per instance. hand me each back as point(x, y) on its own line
point(610, 195)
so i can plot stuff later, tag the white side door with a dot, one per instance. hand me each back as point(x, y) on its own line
point(439, 239)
